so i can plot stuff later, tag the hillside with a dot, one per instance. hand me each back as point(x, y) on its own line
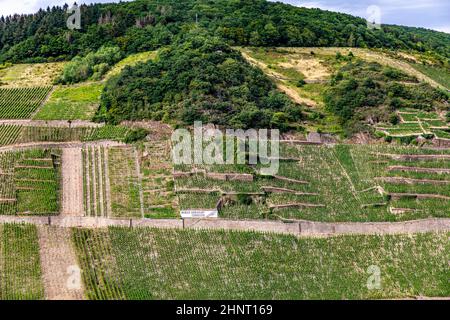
point(198, 78)
point(147, 25)
point(346, 91)
point(93, 205)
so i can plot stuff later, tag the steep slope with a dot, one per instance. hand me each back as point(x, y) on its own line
point(146, 24)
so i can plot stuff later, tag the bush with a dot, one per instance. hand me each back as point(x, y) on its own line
point(94, 66)
point(394, 119)
point(300, 83)
point(135, 135)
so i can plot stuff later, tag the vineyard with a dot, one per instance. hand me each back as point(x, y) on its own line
point(122, 263)
point(326, 183)
point(72, 103)
point(125, 185)
point(156, 166)
point(20, 272)
point(21, 103)
point(14, 134)
point(96, 183)
point(414, 123)
point(30, 182)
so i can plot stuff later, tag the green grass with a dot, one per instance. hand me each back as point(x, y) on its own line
point(20, 272)
point(440, 75)
point(123, 263)
point(72, 103)
point(131, 60)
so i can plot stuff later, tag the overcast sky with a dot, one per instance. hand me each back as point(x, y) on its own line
point(433, 14)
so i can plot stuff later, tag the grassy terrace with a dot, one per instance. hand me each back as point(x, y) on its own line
point(30, 182)
point(415, 123)
point(123, 263)
point(72, 103)
point(330, 183)
point(156, 167)
point(125, 199)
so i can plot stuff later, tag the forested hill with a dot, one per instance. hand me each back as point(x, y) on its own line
point(148, 24)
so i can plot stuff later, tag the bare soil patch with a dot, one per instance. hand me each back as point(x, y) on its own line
point(60, 271)
point(72, 182)
point(312, 69)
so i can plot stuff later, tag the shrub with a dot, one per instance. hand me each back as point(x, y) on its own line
point(135, 135)
point(94, 65)
point(394, 118)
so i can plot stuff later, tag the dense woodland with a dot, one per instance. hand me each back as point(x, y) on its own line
point(198, 78)
point(147, 24)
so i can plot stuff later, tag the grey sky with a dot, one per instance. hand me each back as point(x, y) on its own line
point(433, 14)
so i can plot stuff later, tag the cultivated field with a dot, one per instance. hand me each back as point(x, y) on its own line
point(326, 183)
point(122, 263)
point(20, 270)
point(125, 184)
point(30, 182)
point(21, 103)
point(157, 180)
point(72, 103)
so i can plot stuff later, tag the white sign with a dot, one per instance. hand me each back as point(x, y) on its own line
point(199, 214)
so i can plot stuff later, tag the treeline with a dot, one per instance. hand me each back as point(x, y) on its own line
point(146, 25)
point(365, 93)
point(198, 78)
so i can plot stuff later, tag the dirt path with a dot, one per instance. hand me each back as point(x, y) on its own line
point(60, 271)
point(72, 182)
point(298, 228)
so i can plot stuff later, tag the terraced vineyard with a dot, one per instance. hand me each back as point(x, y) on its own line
point(326, 183)
point(9, 134)
point(414, 123)
point(20, 271)
point(158, 193)
point(30, 182)
point(21, 103)
point(123, 263)
point(72, 103)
